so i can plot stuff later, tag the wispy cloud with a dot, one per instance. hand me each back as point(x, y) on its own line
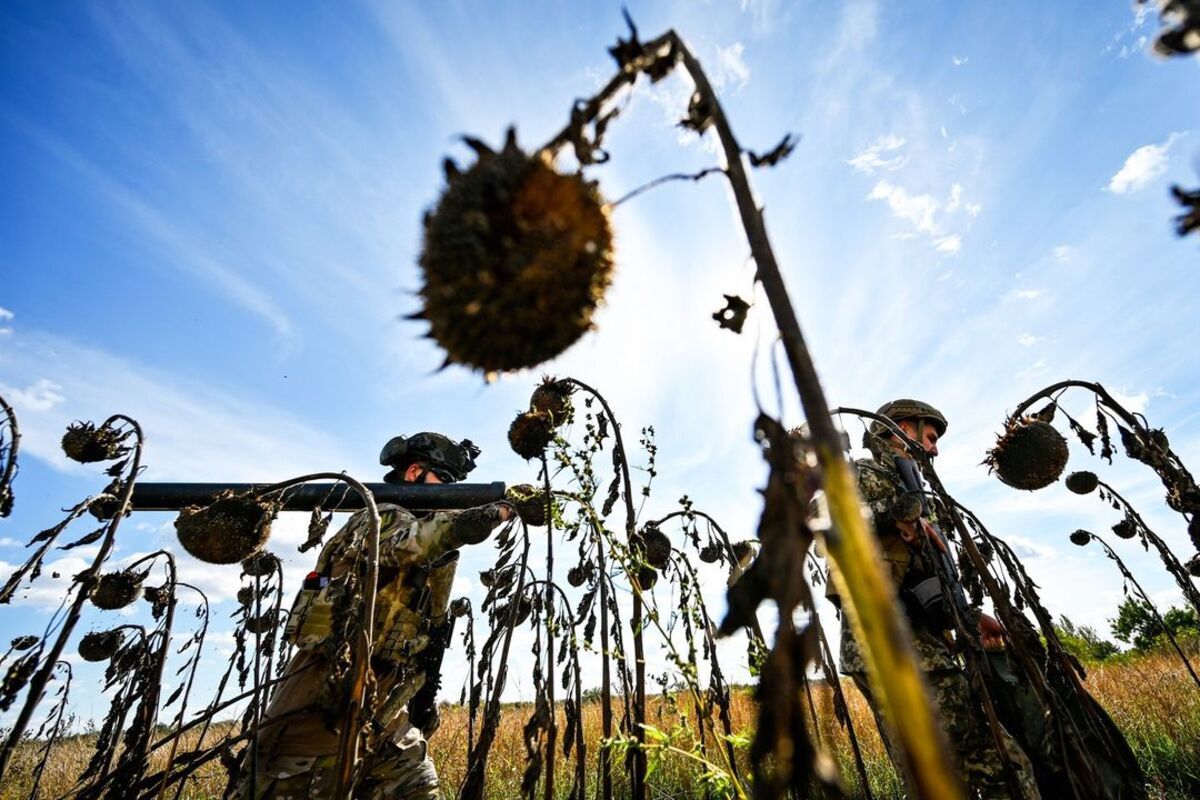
point(1142, 167)
point(1062, 253)
point(1027, 294)
point(958, 61)
point(915, 208)
point(5, 316)
point(38, 397)
point(1028, 340)
point(732, 70)
point(881, 154)
point(948, 244)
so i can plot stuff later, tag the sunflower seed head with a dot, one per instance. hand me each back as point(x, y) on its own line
point(1029, 455)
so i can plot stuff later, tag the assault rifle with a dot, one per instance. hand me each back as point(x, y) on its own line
point(326, 496)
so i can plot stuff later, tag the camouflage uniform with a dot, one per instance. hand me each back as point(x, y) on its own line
point(962, 719)
point(417, 559)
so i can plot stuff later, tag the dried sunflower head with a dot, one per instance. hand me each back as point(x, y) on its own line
point(263, 623)
point(710, 553)
point(531, 504)
point(554, 398)
point(1080, 537)
point(516, 258)
point(1194, 530)
point(576, 576)
point(231, 528)
point(460, 607)
point(106, 504)
point(906, 507)
point(530, 434)
point(1082, 482)
point(1193, 566)
point(1125, 529)
point(647, 576)
point(100, 645)
point(245, 596)
point(85, 443)
point(1029, 455)
point(523, 609)
point(117, 589)
point(24, 642)
point(657, 547)
point(260, 564)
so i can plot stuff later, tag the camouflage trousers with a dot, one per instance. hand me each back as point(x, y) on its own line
point(970, 738)
point(400, 770)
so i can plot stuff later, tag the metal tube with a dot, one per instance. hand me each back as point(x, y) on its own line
point(327, 496)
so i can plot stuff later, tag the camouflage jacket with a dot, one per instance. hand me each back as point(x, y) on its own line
point(880, 484)
point(417, 560)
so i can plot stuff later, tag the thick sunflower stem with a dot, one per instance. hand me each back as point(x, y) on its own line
point(872, 603)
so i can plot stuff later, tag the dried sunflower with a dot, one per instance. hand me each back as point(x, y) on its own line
point(576, 576)
point(1080, 537)
point(85, 443)
point(906, 507)
point(554, 398)
point(657, 547)
point(231, 528)
point(1082, 482)
point(100, 645)
point(263, 623)
point(1193, 566)
point(260, 564)
point(530, 434)
point(24, 642)
point(1029, 455)
point(1194, 530)
point(245, 596)
point(647, 577)
point(1125, 529)
point(460, 607)
point(516, 258)
point(115, 590)
point(710, 553)
point(531, 504)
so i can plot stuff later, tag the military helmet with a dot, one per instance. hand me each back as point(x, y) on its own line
point(448, 459)
point(906, 408)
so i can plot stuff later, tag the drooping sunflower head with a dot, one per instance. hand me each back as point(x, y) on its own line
point(115, 590)
point(231, 528)
point(1082, 482)
point(532, 504)
point(86, 443)
point(1029, 455)
point(1081, 537)
point(554, 398)
point(100, 645)
point(516, 258)
point(530, 434)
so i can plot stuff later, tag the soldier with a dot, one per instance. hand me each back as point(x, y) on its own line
point(910, 542)
point(298, 747)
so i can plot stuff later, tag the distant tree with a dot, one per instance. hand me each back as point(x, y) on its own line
point(1135, 624)
point(1083, 642)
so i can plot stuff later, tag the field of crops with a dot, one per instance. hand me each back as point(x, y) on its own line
point(1151, 698)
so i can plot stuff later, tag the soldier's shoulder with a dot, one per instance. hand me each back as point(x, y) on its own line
point(875, 479)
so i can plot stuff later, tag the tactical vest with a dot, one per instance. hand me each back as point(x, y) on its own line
point(406, 607)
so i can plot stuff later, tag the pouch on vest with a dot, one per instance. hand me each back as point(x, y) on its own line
point(311, 619)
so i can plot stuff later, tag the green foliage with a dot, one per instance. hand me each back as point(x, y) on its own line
point(1083, 642)
point(1137, 624)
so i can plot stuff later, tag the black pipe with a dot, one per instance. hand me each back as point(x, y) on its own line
point(327, 496)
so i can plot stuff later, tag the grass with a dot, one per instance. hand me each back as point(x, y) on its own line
point(1151, 698)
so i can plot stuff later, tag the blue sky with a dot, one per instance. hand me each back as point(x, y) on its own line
point(212, 218)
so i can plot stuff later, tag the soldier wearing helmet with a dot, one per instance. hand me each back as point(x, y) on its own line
point(418, 554)
point(911, 543)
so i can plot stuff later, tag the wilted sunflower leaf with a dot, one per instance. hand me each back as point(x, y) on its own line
point(81, 541)
point(699, 113)
point(776, 154)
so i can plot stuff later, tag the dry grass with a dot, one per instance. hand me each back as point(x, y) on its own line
point(1152, 699)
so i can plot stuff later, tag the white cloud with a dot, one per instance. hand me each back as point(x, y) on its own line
point(1028, 340)
point(949, 244)
point(876, 155)
point(916, 208)
point(973, 209)
point(1136, 403)
point(1063, 253)
point(958, 61)
point(1141, 167)
point(1027, 548)
point(41, 396)
point(731, 67)
point(955, 197)
point(1027, 294)
point(5, 314)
